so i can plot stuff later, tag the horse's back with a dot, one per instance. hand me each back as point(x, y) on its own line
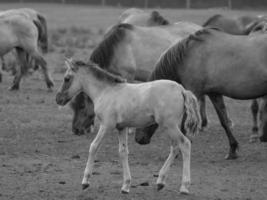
point(229, 64)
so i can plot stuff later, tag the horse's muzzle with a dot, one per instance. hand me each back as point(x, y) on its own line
point(62, 99)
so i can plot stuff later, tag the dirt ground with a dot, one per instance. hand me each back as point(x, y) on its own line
point(40, 158)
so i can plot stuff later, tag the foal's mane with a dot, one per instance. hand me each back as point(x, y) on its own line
point(166, 67)
point(158, 18)
point(211, 20)
point(99, 73)
point(104, 52)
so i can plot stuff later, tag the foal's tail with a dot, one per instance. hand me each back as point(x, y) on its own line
point(192, 116)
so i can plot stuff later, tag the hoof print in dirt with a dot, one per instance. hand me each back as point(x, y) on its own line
point(75, 157)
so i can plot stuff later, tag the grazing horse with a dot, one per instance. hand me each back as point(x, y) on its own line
point(120, 105)
point(39, 22)
point(141, 18)
point(217, 64)
point(131, 52)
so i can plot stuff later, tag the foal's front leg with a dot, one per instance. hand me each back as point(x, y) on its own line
point(123, 152)
point(92, 152)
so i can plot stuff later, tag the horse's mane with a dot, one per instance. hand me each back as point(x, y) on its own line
point(159, 19)
point(211, 19)
point(104, 52)
point(99, 72)
point(166, 67)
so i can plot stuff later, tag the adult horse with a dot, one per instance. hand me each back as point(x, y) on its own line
point(131, 52)
point(243, 25)
point(141, 18)
point(217, 64)
point(18, 32)
point(40, 23)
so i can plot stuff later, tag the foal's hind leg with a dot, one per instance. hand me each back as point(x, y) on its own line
point(254, 110)
point(220, 108)
point(178, 141)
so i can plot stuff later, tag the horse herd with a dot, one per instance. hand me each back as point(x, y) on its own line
point(224, 57)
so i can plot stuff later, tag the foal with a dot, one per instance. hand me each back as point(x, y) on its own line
point(119, 105)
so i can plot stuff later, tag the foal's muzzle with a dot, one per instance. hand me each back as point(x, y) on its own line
point(62, 98)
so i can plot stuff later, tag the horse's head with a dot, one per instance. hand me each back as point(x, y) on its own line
point(257, 27)
point(71, 84)
point(83, 114)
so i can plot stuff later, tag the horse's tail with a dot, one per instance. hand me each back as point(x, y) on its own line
point(192, 120)
point(42, 32)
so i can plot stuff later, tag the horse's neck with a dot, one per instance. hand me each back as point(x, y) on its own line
point(94, 87)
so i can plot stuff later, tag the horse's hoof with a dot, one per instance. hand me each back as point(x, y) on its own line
point(184, 190)
point(231, 156)
point(160, 186)
point(50, 85)
point(253, 138)
point(13, 88)
point(263, 139)
point(85, 185)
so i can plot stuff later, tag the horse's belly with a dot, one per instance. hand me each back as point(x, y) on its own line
point(136, 120)
point(246, 91)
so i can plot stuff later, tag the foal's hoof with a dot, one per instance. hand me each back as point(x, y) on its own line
point(125, 191)
point(231, 156)
point(160, 186)
point(184, 190)
point(85, 185)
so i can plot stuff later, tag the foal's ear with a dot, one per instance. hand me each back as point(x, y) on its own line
point(70, 65)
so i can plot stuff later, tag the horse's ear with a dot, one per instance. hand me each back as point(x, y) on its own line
point(70, 65)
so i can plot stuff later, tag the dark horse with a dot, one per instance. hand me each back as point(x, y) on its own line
point(217, 64)
point(243, 25)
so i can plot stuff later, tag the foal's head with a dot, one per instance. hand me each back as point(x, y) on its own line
point(71, 84)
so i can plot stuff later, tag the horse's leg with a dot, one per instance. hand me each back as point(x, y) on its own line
point(123, 152)
point(41, 62)
point(92, 152)
point(254, 110)
point(18, 75)
point(3, 66)
point(202, 107)
point(263, 119)
point(220, 108)
point(178, 141)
